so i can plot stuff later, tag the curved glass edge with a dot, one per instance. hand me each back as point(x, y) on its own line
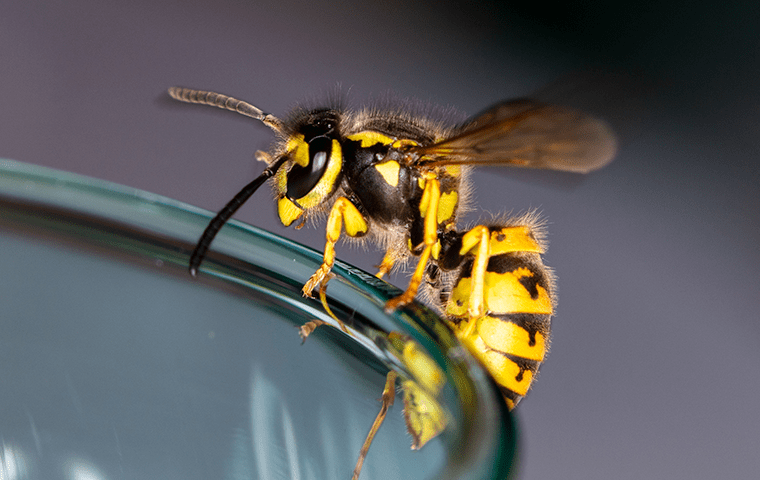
point(480, 436)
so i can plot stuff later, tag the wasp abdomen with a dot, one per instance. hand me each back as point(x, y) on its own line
point(516, 293)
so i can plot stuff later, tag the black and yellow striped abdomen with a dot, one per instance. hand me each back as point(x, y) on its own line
point(511, 338)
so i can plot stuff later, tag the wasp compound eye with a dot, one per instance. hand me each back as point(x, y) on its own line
point(302, 180)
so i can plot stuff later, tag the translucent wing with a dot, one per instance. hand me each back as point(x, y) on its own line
point(527, 134)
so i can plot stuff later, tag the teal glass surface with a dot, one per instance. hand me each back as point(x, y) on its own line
point(115, 363)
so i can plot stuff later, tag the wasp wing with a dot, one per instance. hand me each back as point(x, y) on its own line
point(528, 134)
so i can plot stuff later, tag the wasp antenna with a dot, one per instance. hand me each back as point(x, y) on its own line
point(225, 102)
point(226, 213)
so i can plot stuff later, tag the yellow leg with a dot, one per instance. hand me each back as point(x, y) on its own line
point(307, 328)
point(429, 211)
point(479, 240)
point(386, 265)
point(389, 394)
point(414, 284)
point(327, 263)
point(343, 211)
point(323, 299)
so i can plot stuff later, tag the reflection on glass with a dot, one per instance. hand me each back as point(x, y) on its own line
point(114, 364)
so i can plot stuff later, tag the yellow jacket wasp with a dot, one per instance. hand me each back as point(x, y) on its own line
point(399, 181)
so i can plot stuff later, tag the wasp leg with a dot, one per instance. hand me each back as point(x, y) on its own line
point(343, 212)
point(429, 210)
point(386, 265)
point(389, 395)
point(414, 284)
point(323, 299)
point(263, 156)
point(307, 328)
point(478, 242)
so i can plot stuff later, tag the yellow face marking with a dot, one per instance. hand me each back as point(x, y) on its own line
point(446, 206)
point(506, 337)
point(328, 181)
point(389, 170)
point(298, 150)
point(288, 211)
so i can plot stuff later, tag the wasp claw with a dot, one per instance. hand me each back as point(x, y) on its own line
point(307, 328)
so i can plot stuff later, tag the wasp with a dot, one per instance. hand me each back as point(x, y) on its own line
point(400, 181)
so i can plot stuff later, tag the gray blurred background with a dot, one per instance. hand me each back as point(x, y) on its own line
point(654, 370)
